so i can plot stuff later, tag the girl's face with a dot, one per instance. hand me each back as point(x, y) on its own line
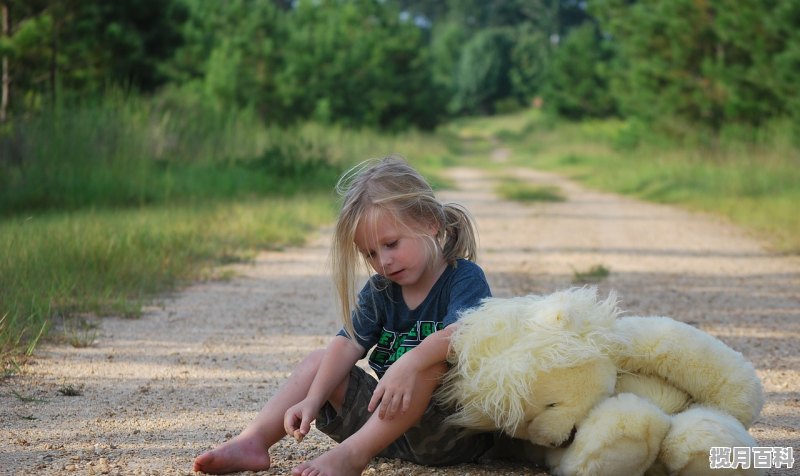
point(394, 251)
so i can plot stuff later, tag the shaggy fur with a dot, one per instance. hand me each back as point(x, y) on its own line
point(495, 382)
point(644, 394)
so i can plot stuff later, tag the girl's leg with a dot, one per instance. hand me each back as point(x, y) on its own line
point(352, 455)
point(248, 450)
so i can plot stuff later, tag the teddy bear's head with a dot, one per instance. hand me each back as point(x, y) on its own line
point(534, 388)
point(561, 398)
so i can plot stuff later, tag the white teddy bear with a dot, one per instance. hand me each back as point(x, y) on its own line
point(599, 393)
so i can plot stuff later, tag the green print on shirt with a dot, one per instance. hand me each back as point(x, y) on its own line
point(392, 345)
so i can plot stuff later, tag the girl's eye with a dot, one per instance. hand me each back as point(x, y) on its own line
point(392, 244)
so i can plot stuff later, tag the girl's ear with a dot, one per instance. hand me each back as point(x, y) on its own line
point(432, 228)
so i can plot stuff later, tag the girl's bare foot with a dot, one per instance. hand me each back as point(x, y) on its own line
point(238, 454)
point(336, 462)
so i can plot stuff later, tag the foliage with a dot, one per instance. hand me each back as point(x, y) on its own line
point(447, 39)
point(126, 152)
point(76, 48)
point(785, 20)
point(683, 66)
point(483, 72)
point(576, 85)
point(684, 63)
point(530, 55)
point(358, 62)
point(232, 54)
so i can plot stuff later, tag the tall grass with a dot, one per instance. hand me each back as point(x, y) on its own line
point(107, 204)
point(132, 152)
point(110, 262)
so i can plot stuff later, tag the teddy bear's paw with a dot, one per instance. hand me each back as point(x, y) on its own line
point(620, 436)
point(685, 449)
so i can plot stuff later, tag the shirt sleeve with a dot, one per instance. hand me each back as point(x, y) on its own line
point(366, 321)
point(468, 289)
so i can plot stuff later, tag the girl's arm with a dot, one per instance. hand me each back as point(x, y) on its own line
point(395, 389)
point(340, 356)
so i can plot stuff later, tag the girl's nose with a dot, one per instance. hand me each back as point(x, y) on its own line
point(385, 258)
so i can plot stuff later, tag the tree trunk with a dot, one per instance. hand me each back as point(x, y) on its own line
point(54, 62)
point(6, 79)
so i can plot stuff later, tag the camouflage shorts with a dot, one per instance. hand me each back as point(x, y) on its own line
point(430, 442)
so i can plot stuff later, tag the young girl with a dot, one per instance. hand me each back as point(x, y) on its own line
point(421, 252)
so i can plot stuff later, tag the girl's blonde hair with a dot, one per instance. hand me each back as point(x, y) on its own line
point(392, 185)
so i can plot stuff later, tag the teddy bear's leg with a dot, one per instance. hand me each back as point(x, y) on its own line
point(686, 448)
point(621, 436)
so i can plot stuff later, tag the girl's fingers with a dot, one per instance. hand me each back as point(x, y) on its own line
point(389, 406)
point(290, 421)
point(406, 403)
point(386, 403)
point(376, 398)
point(305, 426)
point(287, 427)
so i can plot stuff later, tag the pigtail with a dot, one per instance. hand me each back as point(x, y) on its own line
point(460, 234)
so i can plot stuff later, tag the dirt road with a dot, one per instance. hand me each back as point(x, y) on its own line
point(157, 391)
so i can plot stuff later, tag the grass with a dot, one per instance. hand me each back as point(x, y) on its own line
point(25, 398)
point(752, 178)
point(520, 191)
point(69, 390)
point(594, 274)
point(133, 154)
point(759, 192)
point(105, 205)
point(11, 367)
point(64, 264)
point(80, 333)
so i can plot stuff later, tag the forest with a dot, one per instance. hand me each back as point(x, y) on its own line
point(400, 64)
point(123, 115)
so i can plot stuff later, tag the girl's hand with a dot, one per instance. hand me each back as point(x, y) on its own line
point(297, 419)
point(396, 388)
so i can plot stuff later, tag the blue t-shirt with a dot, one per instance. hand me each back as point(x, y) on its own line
point(383, 320)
